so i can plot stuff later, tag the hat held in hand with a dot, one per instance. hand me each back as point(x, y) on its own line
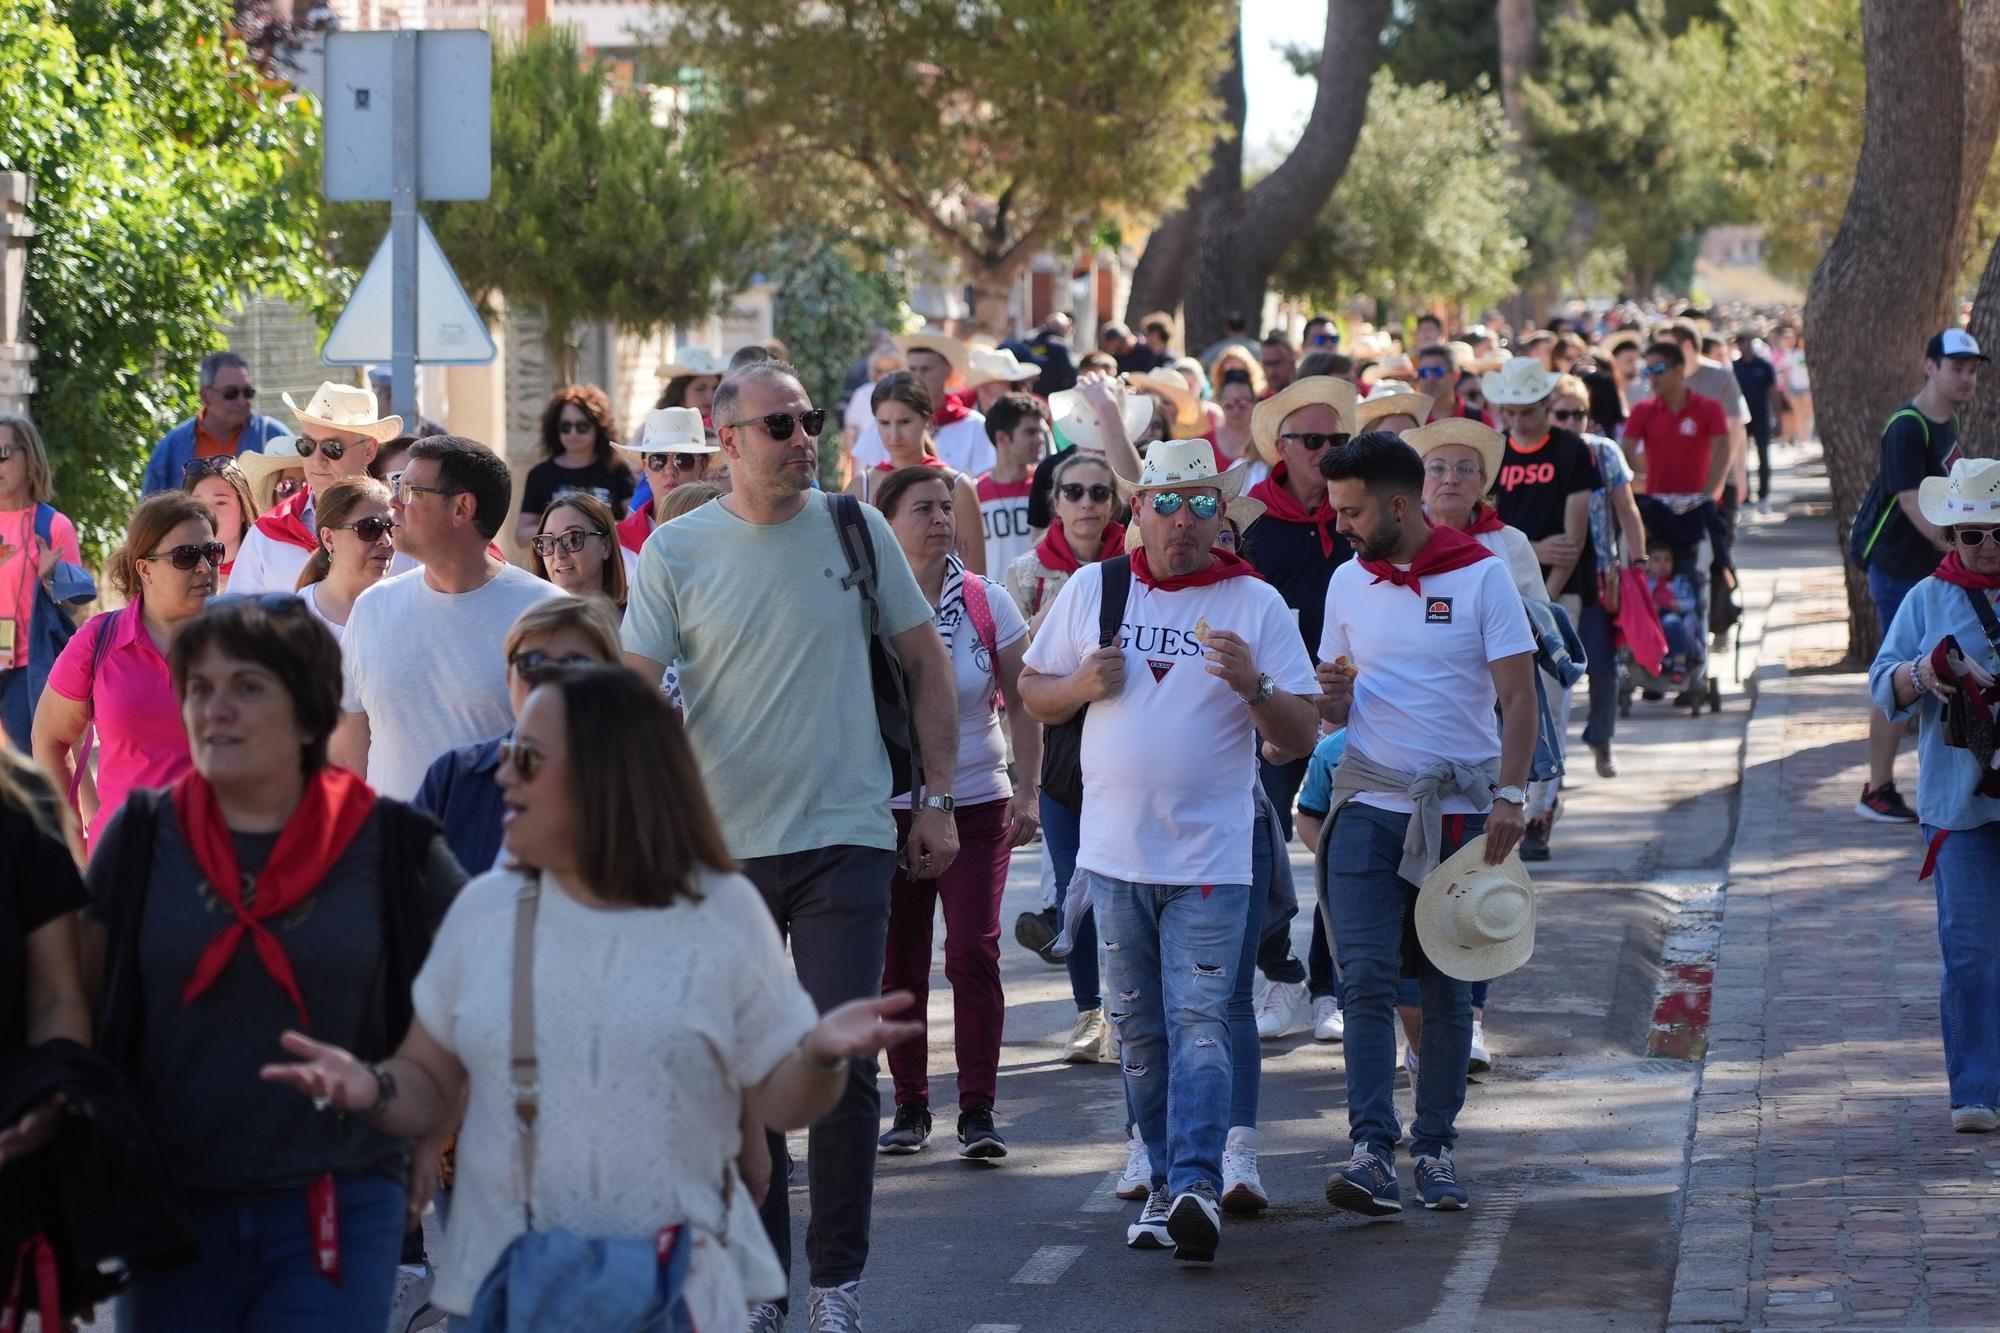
point(1477, 921)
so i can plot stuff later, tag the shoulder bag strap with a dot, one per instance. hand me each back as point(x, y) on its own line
point(1988, 619)
point(1111, 601)
point(524, 1068)
point(980, 612)
point(80, 752)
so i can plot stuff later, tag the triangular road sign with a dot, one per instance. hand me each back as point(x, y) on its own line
point(449, 329)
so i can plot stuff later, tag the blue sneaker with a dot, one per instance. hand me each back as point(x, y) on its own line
point(1367, 1184)
point(1437, 1181)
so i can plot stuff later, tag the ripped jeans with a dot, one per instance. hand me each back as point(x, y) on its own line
point(1171, 952)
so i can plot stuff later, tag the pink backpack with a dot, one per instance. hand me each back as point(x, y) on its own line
point(980, 612)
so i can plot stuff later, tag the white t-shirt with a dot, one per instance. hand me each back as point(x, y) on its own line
point(310, 596)
point(429, 669)
point(962, 445)
point(1424, 690)
point(982, 749)
point(1003, 516)
point(1168, 764)
point(649, 1024)
point(1512, 545)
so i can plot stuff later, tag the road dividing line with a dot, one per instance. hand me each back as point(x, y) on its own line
point(1465, 1285)
point(1046, 1265)
point(1104, 1198)
point(996, 1328)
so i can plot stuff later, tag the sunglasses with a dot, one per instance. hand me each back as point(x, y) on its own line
point(1324, 340)
point(527, 760)
point(286, 487)
point(370, 529)
point(334, 450)
point(1566, 414)
point(1970, 537)
point(1076, 490)
point(1654, 369)
point(188, 556)
point(779, 425)
point(1313, 441)
point(1201, 506)
point(1431, 372)
point(576, 427)
point(233, 392)
point(548, 543)
point(220, 465)
point(679, 462)
point(405, 489)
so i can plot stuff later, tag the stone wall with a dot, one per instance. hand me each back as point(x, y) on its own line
point(17, 354)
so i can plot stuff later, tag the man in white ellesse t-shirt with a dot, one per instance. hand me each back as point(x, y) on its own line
point(1207, 655)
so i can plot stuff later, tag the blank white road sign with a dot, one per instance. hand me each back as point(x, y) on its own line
point(449, 329)
point(454, 114)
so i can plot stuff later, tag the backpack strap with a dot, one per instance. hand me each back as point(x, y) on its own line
point(80, 752)
point(980, 612)
point(45, 519)
point(1889, 506)
point(1111, 602)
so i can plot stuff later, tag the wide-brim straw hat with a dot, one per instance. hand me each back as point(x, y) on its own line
point(1314, 390)
point(1490, 444)
point(1971, 494)
point(1072, 415)
point(345, 407)
point(1475, 921)
point(946, 346)
point(997, 365)
point(1165, 381)
point(1391, 398)
point(671, 430)
point(1520, 382)
point(261, 469)
point(1172, 464)
point(694, 361)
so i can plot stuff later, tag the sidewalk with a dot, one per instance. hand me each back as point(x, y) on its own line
point(1825, 1185)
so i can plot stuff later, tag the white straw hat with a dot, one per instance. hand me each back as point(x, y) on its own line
point(1391, 398)
point(671, 430)
point(1073, 415)
point(998, 365)
point(946, 346)
point(694, 361)
point(1477, 921)
point(346, 407)
point(1171, 463)
point(1521, 381)
point(1971, 494)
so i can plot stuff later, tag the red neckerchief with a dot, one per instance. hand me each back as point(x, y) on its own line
point(1448, 549)
point(635, 527)
point(1224, 566)
point(1953, 571)
point(948, 411)
point(335, 805)
point(1281, 504)
point(1054, 551)
point(286, 523)
point(930, 460)
point(1485, 518)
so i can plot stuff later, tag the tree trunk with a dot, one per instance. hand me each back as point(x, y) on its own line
point(1517, 58)
point(1885, 284)
point(1238, 236)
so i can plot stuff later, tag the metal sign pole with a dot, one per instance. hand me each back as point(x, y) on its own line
point(403, 234)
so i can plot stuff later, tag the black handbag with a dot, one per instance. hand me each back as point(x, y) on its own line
point(1062, 744)
point(892, 692)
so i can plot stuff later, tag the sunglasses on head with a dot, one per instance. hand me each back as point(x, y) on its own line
point(1313, 441)
point(678, 462)
point(1201, 506)
point(370, 529)
point(188, 556)
point(1076, 490)
point(219, 465)
point(233, 392)
point(548, 543)
point(333, 449)
point(779, 425)
point(286, 487)
point(1975, 536)
point(568, 427)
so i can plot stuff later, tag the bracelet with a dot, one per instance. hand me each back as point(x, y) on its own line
point(385, 1090)
point(838, 1066)
point(1915, 684)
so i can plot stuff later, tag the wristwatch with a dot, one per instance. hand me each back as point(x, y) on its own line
point(940, 802)
point(1266, 687)
point(1512, 795)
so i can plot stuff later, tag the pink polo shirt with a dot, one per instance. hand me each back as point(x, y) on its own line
point(133, 705)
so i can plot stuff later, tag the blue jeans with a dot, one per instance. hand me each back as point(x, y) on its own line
point(1172, 949)
point(256, 1271)
point(1601, 651)
point(1246, 1053)
point(1061, 830)
point(1368, 902)
point(1888, 591)
point(1968, 898)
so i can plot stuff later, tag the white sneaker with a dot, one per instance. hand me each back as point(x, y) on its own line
point(1242, 1190)
point(1286, 1007)
point(766, 1318)
point(1481, 1060)
point(1329, 1024)
point(1150, 1231)
point(1086, 1039)
point(834, 1309)
point(1137, 1182)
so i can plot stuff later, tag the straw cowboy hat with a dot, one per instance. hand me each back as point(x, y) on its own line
point(1971, 494)
point(671, 430)
point(997, 365)
point(946, 346)
point(1521, 381)
point(1168, 384)
point(1320, 390)
point(346, 407)
point(1391, 398)
point(1622, 339)
point(1077, 421)
point(694, 361)
point(1176, 463)
point(1477, 921)
point(261, 469)
point(1490, 444)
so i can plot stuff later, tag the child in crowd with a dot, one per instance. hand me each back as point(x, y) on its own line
point(1674, 598)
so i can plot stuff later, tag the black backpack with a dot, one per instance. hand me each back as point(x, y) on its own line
point(1062, 744)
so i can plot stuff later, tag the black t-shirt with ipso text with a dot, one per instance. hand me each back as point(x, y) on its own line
point(1533, 490)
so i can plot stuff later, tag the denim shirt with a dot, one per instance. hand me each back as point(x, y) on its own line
point(1946, 774)
point(461, 790)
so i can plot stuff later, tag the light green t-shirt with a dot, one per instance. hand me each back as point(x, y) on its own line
point(772, 655)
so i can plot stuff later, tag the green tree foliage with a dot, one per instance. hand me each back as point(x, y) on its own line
point(1457, 42)
point(1426, 209)
point(1618, 115)
point(606, 204)
point(158, 154)
point(998, 126)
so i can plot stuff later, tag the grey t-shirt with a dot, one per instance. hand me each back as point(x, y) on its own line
point(227, 1133)
point(773, 662)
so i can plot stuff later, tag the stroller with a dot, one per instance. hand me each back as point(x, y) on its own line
point(1692, 528)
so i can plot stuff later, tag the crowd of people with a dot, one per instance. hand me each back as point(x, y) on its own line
point(357, 863)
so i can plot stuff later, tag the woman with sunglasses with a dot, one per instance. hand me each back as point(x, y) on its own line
point(579, 455)
point(34, 538)
point(665, 1015)
point(221, 485)
point(673, 450)
point(200, 976)
point(113, 674)
point(356, 548)
point(576, 548)
point(903, 410)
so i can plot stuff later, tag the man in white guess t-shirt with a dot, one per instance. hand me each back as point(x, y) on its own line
point(1207, 653)
point(1424, 634)
point(1018, 425)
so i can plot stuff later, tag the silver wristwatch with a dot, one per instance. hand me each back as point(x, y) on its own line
point(1266, 687)
point(944, 803)
point(1512, 795)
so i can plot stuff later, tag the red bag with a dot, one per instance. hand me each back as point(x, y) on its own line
point(1638, 622)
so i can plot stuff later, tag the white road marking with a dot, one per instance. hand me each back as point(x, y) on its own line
point(1102, 1198)
point(1465, 1284)
point(1046, 1265)
point(996, 1328)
